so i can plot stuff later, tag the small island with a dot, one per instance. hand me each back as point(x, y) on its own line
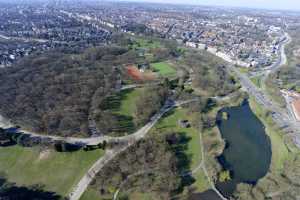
point(225, 116)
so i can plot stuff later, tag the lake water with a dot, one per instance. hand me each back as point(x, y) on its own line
point(248, 149)
point(207, 195)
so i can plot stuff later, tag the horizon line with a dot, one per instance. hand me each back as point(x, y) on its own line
point(207, 5)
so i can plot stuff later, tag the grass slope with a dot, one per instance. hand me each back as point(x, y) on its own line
point(164, 69)
point(257, 81)
point(58, 172)
point(90, 194)
point(127, 106)
point(146, 44)
point(170, 124)
point(122, 105)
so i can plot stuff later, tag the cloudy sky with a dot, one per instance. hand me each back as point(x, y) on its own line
point(269, 4)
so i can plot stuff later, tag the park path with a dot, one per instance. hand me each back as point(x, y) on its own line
point(200, 166)
point(82, 185)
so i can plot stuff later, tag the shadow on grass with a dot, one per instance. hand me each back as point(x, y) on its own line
point(125, 123)
point(170, 113)
point(10, 191)
point(178, 143)
point(113, 102)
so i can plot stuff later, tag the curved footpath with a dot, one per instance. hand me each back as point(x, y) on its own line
point(128, 140)
point(79, 189)
point(100, 139)
point(201, 165)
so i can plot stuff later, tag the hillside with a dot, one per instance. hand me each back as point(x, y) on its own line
point(51, 93)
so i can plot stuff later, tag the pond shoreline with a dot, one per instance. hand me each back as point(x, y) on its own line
point(246, 143)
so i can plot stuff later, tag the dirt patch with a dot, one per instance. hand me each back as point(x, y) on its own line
point(137, 75)
point(44, 154)
point(297, 53)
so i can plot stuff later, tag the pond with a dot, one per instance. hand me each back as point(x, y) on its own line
point(247, 154)
point(207, 195)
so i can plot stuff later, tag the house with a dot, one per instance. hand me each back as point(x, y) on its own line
point(184, 123)
point(191, 44)
point(202, 46)
point(143, 67)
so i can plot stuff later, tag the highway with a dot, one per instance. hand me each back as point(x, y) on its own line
point(279, 115)
point(24, 39)
point(282, 59)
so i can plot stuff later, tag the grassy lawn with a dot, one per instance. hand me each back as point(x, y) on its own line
point(122, 105)
point(127, 108)
point(164, 69)
point(58, 172)
point(170, 124)
point(201, 182)
point(129, 97)
point(243, 70)
point(257, 81)
point(146, 44)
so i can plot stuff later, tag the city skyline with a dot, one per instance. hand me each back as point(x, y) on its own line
point(262, 4)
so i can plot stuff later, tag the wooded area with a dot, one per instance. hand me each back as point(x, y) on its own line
point(160, 161)
point(51, 93)
point(208, 73)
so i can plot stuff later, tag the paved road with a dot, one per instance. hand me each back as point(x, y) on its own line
point(132, 86)
point(96, 140)
point(282, 59)
point(200, 166)
point(203, 167)
point(31, 39)
point(279, 115)
point(79, 189)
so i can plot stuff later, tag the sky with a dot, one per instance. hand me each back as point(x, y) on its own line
point(268, 4)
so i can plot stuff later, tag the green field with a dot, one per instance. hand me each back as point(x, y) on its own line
point(170, 124)
point(201, 182)
point(57, 172)
point(126, 109)
point(257, 81)
point(243, 70)
point(90, 194)
point(164, 69)
point(129, 97)
point(122, 105)
point(146, 43)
